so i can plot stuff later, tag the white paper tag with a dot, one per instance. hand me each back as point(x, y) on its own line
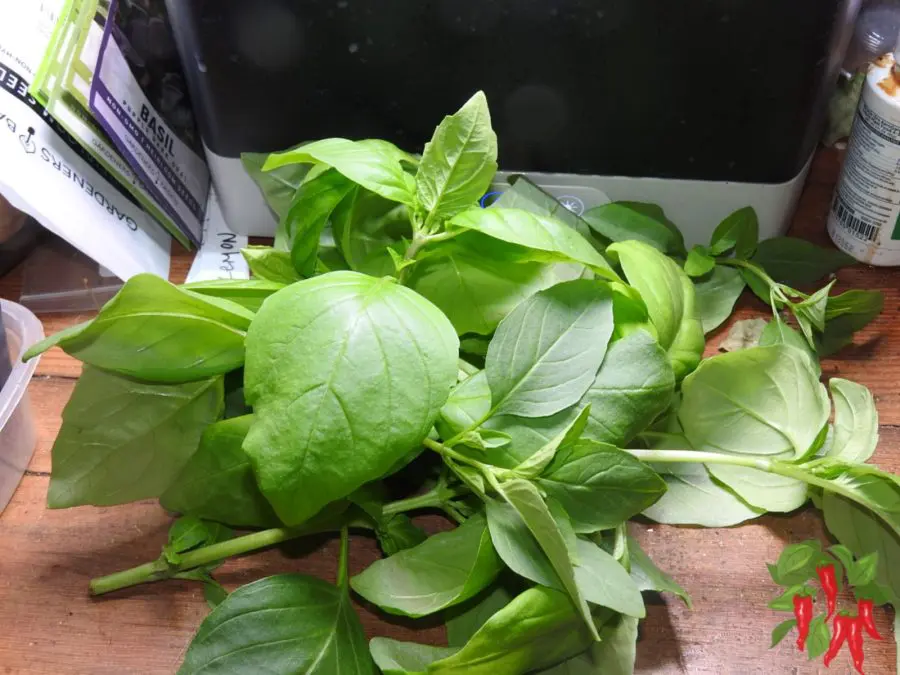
point(220, 256)
point(46, 174)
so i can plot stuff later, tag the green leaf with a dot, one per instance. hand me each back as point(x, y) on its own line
point(669, 295)
point(781, 630)
point(278, 186)
point(528, 506)
point(614, 655)
point(155, 331)
point(346, 375)
point(534, 466)
point(398, 533)
point(797, 262)
point(547, 352)
point(214, 593)
point(604, 581)
point(785, 601)
point(446, 569)
point(797, 563)
point(539, 628)
point(634, 385)
point(375, 165)
point(699, 262)
point(283, 624)
point(465, 620)
point(366, 226)
point(716, 293)
point(844, 315)
point(819, 637)
point(646, 223)
point(405, 658)
point(812, 309)
point(863, 571)
point(863, 532)
point(844, 554)
point(877, 490)
point(189, 532)
point(459, 162)
point(758, 401)
point(313, 206)
point(547, 239)
point(855, 421)
point(695, 498)
point(779, 333)
point(599, 485)
point(217, 483)
point(739, 231)
point(476, 290)
point(270, 265)
point(123, 440)
point(649, 577)
point(248, 293)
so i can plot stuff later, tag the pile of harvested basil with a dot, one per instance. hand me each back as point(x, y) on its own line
point(535, 376)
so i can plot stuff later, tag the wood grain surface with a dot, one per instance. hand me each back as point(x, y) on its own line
point(48, 624)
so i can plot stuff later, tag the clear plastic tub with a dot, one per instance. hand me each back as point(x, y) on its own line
point(17, 431)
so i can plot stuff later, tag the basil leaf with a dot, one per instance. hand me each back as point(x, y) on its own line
point(189, 532)
point(248, 293)
point(844, 315)
point(669, 295)
point(123, 440)
point(603, 581)
point(715, 294)
point(855, 421)
point(548, 239)
point(405, 658)
point(476, 291)
point(446, 569)
point(271, 265)
point(268, 626)
point(758, 401)
point(599, 485)
point(465, 620)
point(346, 374)
point(365, 226)
point(528, 504)
point(739, 231)
point(615, 654)
point(537, 629)
point(699, 262)
point(649, 577)
point(633, 387)
point(278, 186)
point(535, 464)
point(155, 331)
point(217, 483)
point(863, 570)
point(779, 333)
point(863, 532)
point(398, 533)
point(646, 223)
point(310, 211)
point(797, 262)
point(375, 165)
point(546, 353)
point(694, 498)
point(459, 162)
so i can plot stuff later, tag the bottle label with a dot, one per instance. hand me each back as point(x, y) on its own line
point(865, 214)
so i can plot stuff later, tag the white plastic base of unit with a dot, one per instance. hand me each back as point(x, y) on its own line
point(696, 206)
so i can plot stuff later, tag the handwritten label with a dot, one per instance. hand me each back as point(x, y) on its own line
point(220, 255)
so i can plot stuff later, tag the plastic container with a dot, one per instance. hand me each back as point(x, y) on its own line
point(17, 431)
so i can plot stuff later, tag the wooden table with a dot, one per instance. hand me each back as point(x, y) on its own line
point(48, 624)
